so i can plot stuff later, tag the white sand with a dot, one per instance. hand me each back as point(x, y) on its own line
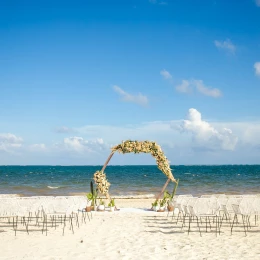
point(130, 234)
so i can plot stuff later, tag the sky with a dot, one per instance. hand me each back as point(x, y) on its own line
point(78, 77)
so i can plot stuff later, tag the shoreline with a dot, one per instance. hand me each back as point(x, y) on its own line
point(127, 196)
point(121, 202)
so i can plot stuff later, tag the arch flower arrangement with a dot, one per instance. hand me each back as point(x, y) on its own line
point(135, 147)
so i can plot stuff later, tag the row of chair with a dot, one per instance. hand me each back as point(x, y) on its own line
point(217, 209)
point(41, 213)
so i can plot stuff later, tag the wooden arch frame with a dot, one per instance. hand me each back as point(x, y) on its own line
point(136, 147)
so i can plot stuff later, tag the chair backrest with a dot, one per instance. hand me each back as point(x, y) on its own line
point(192, 202)
point(185, 209)
point(233, 200)
point(224, 208)
point(8, 207)
point(214, 205)
point(201, 206)
point(192, 211)
point(246, 205)
point(236, 209)
point(206, 196)
point(222, 200)
point(256, 206)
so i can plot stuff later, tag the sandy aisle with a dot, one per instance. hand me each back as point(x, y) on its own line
point(123, 235)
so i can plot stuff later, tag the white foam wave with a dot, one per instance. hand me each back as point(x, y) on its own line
point(8, 195)
point(143, 196)
point(53, 187)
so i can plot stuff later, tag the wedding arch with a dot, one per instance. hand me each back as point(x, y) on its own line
point(135, 147)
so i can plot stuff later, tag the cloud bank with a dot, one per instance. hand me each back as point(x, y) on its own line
point(9, 141)
point(192, 140)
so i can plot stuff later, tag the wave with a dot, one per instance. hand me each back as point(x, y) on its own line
point(126, 196)
point(53, 187)
point(143, 196)
point(9, 195)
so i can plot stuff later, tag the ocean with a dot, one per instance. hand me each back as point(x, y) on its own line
point(140, 181)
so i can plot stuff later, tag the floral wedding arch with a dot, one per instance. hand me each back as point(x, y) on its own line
point(135, 147)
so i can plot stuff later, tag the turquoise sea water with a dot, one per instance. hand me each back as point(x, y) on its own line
point(129, 180)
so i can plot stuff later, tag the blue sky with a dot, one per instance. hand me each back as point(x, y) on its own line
point(80, 76)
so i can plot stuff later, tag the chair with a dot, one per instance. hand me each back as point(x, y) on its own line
point(204, 208)
point(245, 209)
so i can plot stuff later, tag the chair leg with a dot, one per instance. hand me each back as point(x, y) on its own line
point(198, 225)
point(26, 226)
point(243, 218)
point(219, 226)
point(248, 222)
point(189, 225)
point(206, 225)
point(183, 222)
point(209, 223)
point(235, 216)
point(43, 220)
point(64, 228)
point(216, 225)
point(177, 217)
point(15, 229)
point(88, 216)
point(71, 224)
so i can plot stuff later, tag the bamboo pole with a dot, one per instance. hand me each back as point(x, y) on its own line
point(107, 161)
point(164, 187)
point(104, 167)
point(175, 188)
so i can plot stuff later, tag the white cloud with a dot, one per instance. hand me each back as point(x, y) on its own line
point(9, 141)
point(257, 67)
point(187, 86)
point(37, 147)
point(257, 2)
point(64, 130)
point(226, 45)
point(207, 91)
point(184, 87)
point(218, 143)
point(138, 99)
point(158, 2)
point(166, 74)
point(79, 144)
point(163, 3)
point(204, 135)
point(143, 131)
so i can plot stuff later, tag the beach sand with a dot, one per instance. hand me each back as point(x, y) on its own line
point(130, 234)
